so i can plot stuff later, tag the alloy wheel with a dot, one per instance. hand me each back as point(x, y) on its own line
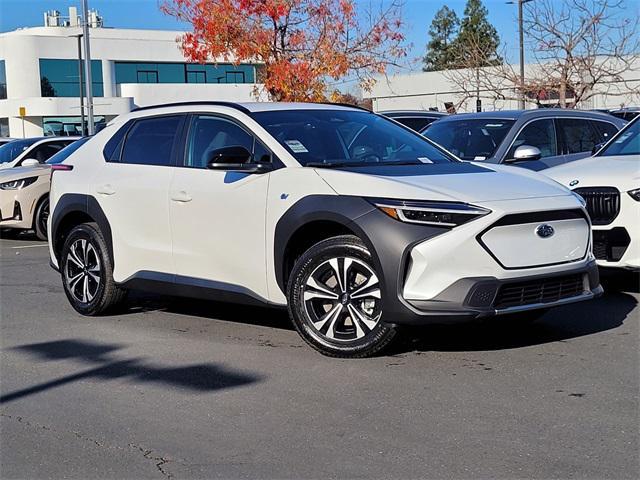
point(342, 299)
point(83, 271)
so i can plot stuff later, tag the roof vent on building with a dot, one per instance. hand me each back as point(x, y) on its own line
point(52, 18)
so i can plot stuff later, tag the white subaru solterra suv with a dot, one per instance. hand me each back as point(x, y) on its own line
point(354, 222)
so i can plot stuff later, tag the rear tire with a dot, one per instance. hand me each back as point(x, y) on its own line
point(87, 271)
point(40, 218)
point(335, 299)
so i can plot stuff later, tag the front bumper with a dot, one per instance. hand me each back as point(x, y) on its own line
point(479, 297)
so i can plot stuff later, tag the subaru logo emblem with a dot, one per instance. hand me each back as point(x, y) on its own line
point(573, 183)
point(545, 230)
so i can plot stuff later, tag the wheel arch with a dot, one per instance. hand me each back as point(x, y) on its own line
point(72, 210)
point(311, 220)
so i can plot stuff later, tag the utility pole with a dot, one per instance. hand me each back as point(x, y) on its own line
point(87, 67)
point(521, 41)
point(83, 127)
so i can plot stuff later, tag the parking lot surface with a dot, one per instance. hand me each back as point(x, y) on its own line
point(184, 389)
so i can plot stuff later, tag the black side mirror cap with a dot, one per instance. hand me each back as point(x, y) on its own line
point(229, 155)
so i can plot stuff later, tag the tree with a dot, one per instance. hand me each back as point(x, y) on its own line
point(578, 46)
point(444, 28)
point(302, 44)
point(477, 43)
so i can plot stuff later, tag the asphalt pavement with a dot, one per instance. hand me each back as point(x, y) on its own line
point(182, 389)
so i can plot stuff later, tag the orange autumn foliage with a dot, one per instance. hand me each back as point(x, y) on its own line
point(303, 46)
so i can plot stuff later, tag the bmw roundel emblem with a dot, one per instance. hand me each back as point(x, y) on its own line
point(545, 230)
point(573, 183)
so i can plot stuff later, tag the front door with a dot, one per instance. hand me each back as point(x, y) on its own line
point(217, 216)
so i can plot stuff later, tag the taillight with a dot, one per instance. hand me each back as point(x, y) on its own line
point(60, 167)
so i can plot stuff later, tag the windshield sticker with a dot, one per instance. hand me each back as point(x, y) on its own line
point(424, 160)
point(494, 125)
point(478, 158)
point(296, 146)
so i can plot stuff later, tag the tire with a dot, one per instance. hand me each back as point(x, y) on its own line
point(323, 310)
point(40, 218)
point(87, 271)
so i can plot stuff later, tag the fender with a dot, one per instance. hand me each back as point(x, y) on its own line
point(389, 241)
point(71, 203)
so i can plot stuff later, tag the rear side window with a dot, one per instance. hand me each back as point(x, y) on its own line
point(113, 148)
point(578, 135)
point(150, 141)
point(605, 129)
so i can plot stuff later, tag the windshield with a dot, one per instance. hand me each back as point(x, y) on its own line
point(627, 143)
point(10, 151)
point(473, 139)
point(345, 137)
point(63, 154)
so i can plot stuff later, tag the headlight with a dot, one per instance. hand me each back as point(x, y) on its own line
point(17, 184)
point(635, 194)
point(581, 199)
point(442, 214)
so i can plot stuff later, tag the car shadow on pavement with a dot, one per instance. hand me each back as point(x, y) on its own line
point(557, 325)
point(204, 377)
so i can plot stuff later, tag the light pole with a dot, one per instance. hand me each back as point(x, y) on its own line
point(80, 83)
point(87, 67)
point(521, 35)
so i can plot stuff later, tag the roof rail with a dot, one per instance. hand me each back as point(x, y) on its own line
point(342, 104)
point(237, 106)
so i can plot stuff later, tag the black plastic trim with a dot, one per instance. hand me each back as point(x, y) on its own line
point(237, 106)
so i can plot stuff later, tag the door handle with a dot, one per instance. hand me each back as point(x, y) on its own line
point(105, 190)
point(181, 196)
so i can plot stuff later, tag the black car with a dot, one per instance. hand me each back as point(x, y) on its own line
point(414, 119)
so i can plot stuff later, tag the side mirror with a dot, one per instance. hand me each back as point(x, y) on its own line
point(526, 152)
point(228, 155)
point(597, 147)
point(29, 162)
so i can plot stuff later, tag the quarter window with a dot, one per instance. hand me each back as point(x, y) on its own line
point(540, 134)
point(209, 133)
point(150, 141)
point(605, 129)
point(578, 135)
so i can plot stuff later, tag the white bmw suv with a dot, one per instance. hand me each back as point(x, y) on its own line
point(354, 222)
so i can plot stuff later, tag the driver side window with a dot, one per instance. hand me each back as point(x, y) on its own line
point(208, 134)
point(540, 134)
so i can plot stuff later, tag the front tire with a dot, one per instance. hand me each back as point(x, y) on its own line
point(335, 299)
point(40, 218)
point(87, 271)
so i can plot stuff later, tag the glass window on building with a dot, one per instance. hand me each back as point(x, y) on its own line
point(133, 72)
point(59, 78)
point(3, 81)
point(4, 127)
point(67, 126)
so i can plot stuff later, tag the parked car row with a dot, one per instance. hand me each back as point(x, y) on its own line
point(356, 223)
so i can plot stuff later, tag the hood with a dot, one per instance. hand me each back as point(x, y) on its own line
point(461, 182)
point(622, 172)
point(17, 173)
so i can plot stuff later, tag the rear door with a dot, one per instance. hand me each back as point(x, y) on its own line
point(217, 216)
point(577, 137)
point(132, 189)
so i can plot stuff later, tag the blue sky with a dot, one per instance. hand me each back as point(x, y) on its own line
point(145, 14)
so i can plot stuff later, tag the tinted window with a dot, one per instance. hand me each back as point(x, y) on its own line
point(327, 136)
point(208, 134)
point(577, 134)
point(10, 151)
point(63, 154)
point(606, 130)
point(627, 143)
point(540, 134)
point(42, 153)
point(150, 141)
point(113, 147)
point(414, 123)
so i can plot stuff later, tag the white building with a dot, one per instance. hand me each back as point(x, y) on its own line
point(130, 68)
point(434, 90)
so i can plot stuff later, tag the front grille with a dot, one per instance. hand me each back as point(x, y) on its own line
point(545, 290)
point(610, 245)
point(603, 203)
